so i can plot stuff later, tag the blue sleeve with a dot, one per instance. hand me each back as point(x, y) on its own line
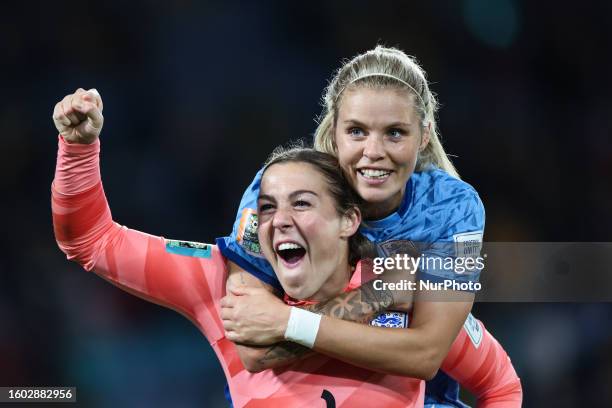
point(455, 254)
point(242, 246)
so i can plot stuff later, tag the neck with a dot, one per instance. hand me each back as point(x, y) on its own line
point(375, 210)
point(335, 285)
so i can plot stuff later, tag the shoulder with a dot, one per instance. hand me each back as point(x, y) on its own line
point(438, 190)
point(452, 203)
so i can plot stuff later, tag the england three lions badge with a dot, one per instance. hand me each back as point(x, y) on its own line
point(391, 319)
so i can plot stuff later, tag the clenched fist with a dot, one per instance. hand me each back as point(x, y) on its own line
point(78, 117)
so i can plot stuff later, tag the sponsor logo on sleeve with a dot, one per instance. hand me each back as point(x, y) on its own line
point(187, 248)
point(473, 329)
point(468, 244)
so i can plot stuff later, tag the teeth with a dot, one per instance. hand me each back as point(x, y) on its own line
point(374, 173)
point(288, 245)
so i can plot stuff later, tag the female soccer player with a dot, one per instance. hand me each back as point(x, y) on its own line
point(379, 120)
point(305, 202)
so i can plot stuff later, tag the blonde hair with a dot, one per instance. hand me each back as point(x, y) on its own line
point(384, 67)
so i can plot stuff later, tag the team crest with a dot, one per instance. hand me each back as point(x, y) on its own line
point(391, 319)
point(247, 232)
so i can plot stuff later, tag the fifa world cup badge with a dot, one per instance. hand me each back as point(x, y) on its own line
point(247, 232)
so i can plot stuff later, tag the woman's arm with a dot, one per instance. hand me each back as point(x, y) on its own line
point(360, 305)
point(139, 263)
point(259, 358)
point(474, 359)
point(480, 364)
point(256, 317)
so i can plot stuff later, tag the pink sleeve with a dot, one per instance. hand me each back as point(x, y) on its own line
point(136, 262)
point(480, 364)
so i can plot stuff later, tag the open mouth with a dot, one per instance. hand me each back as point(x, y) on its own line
point(290, 252)
point(374, 174)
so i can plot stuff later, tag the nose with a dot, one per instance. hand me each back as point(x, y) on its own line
point(374, 149)
point(282, 219)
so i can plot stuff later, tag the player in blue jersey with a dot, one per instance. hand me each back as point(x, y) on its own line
point(379, 120)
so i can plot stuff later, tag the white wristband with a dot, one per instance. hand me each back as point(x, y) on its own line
point(302, 327)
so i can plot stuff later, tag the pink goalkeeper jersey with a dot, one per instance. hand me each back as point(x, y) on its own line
point(190, 278)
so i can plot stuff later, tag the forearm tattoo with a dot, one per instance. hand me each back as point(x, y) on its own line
point(282, 353)
point(360, 305)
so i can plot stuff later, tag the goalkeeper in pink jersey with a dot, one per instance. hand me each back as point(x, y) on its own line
point(190, 277)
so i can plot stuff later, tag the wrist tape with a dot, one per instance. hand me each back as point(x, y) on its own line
point(302, 327)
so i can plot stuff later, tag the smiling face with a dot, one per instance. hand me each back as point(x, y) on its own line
point(301, 233)
point(378, 135)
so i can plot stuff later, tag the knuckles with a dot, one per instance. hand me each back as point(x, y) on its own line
point(73, 109)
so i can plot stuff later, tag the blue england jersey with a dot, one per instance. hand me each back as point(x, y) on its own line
point(440, 216)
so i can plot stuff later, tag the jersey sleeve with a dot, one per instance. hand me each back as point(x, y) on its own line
point(242, 246)
point(479, 363)
point(186, 277)
point(454, 251)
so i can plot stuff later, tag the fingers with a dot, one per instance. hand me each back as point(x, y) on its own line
point(68, 111)
point(231, 329)
point(75, 108)
point(78, 116)
point(227, 302)
point(232, 336)
point(68, 106)
point(61, 121)
point(93, 96)
point(228, 324)
point(227, 314)
point(91, 112)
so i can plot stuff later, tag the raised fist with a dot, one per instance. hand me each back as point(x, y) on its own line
point(78, 117)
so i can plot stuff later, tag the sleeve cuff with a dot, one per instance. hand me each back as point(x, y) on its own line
point(78, 148)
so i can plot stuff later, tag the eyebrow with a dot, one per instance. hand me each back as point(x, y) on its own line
point(394, 124)
point(399, 124)
point(354, 122)
point(291, 196)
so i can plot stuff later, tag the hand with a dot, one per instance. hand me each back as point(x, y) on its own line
point(78, 117)
point(254, 316)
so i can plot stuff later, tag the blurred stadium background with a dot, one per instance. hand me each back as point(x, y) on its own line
point(197, 93)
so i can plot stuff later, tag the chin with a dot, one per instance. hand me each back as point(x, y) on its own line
point(374, 197)
point(293, 286)
point(297, 292)
point(379, 196)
